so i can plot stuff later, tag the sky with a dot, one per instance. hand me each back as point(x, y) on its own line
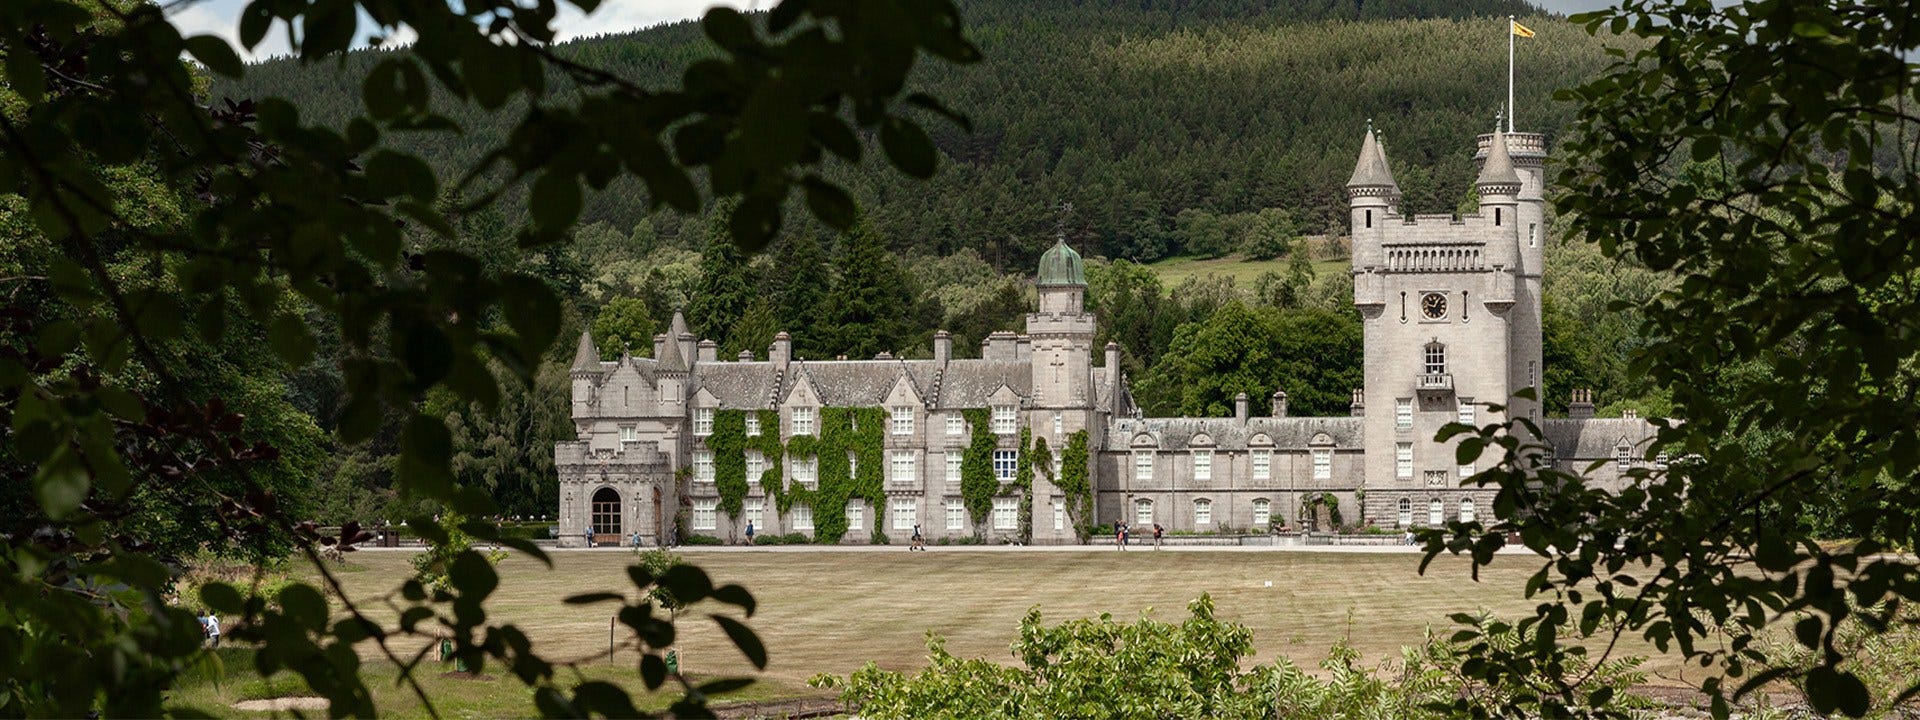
point(220, 17)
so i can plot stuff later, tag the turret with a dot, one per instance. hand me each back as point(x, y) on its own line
point(584, 373)
point(1371, 194)
point(1062, 281)
point(1499, 188)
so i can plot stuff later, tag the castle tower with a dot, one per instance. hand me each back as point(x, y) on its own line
point(1521, 158)
point(1061, 333)
point(585, 374)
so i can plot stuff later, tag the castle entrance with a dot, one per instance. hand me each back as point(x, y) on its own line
point(606, 517)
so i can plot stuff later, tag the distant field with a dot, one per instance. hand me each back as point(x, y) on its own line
point(1177, 270)
point(831, 611)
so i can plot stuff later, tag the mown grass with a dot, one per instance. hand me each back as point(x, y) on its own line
point(1176, 270)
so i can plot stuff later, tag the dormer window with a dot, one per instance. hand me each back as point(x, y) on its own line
point(803, 421)
point(702, 422)
point(903, 420)
point(1003, 420)
point(1623, 456)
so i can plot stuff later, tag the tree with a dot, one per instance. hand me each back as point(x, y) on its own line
point(724, 289)
point(623, 326)
point(284, 226)
point(1787, 342)
point(802, 281)
point(1311, 354)
point(867, 310)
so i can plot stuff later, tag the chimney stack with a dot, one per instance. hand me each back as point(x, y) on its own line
point(1240, 409)
point(659, 345)
point(1279, 403)
point(746, 356)
point(709, 351)
point(781, 351)
point(1582, 406)
point(1113, 357)
point(942, 347)
point(1359, 407)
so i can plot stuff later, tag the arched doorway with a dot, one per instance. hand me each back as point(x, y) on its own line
point(606, 517)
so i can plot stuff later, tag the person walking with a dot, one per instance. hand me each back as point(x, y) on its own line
point(1120, 536)
point(749, 532)
point(210, 626)
point(919, 541)
point(1157, 533)
point(588, 533)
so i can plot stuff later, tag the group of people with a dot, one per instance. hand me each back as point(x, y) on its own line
point(1123, 533)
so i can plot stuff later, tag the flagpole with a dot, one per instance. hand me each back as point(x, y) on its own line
point(1510, 112)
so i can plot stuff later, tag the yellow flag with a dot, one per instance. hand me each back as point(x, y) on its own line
point(1520, 30)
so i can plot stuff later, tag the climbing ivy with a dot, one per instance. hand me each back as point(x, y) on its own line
point(768, 443)
point(845, 433)
point(977, 484)
point(1076, 486)
point(728, 445)
point(1039, 457)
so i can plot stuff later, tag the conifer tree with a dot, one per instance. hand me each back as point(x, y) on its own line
point(865, 312)
point(801, 280)
point(723, 292)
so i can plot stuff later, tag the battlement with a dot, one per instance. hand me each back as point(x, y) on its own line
point(1452, 257)
point(1524, 148)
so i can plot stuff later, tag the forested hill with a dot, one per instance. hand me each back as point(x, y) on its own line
point(1134, 112)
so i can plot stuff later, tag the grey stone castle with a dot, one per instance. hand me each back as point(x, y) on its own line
point(1451, 308)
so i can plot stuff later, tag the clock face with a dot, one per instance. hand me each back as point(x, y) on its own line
point(1434, 305)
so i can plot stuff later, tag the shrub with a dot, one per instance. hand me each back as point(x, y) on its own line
point(793, 538)
point(701, 540)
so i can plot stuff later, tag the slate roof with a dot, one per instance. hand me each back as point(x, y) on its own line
point(1288, 433)
point(1498, 169)
point(737, 385)
point(1370, 170)
point(969, 383)
point(1596, 438)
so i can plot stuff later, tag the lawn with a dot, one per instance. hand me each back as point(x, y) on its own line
point(1176, 270)
point(828, 611)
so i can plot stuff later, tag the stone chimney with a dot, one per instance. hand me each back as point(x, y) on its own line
point(999, 346)
point(1279, 403)
point(708, 351)
point(1582, 406)
point(1359, 407)
point(1113, 356)
point(942, 347)
point(781, 351)
point(883, 355)
point(659, 346)
point(1022, 348)
point(745, 356)
point(1240, 409)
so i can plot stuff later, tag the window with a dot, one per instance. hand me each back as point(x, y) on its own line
point(703, 466)
point(1143, 512)
point(1059, 516)
point(1369, 218)
point(1467, 412)
point(956, 515)
point(803, 421)
point(1497, 217)
point(1006, 513)
point(754, 512)
point(1004, 463)
point(903, 466)
point(1059, 425)
point(702, 422)
point(1623, 456)
point(953, 468)
point(1262, 464)
point(806, 471)
point(753, 424)
point(853, 464)
point(1203, 512)
point(606, 512)
point(1406, 512)
point(1436, 513)
point(1143, 464)
point(1403, 461)
point(1403, 413)
point(704, 517)
point(1532, 232)
point(1466, 470)
point(955, 425)
point(1436, 359)
point(1323, 463)
point(1202, 465)
point(903, 421)
point(905, 514)
point(756, 466)
point(1466, 510)
point(628, 434)
point(856, 515)
point(1262, 514)
point(802, 516)
point(1436, 478)
point(1003, 420)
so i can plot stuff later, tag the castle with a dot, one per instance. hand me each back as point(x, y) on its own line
point(1451, 309)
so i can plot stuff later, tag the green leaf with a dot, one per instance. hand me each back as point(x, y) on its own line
point(908, 147)
point(744, 639)
point(593, 597)
point(214, 52)
point(304, 605)
point(736, 596)
point(554, 201)
point(221, 597)
point(25, 75)
point(290, 339)
point(61, 483)
point(830, 203)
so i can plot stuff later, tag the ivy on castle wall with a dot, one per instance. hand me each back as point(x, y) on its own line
point(728, 445)
point(1040, 459)
point(977, 484)
point(849, 452)
point(771, 449)
point(1076, 484)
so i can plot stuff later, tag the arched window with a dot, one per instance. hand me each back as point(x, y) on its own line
point(1406, 512)
point(1262, 514)
point(1203, 512)
point(1143, 512)
point(1436, 513)
point(1436, 359)
point(606, 512)
point(1466, 510)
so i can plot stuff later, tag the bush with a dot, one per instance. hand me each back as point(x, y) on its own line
point(962, 540)
point(787, 539)
point(701, 540)
point(879, 537)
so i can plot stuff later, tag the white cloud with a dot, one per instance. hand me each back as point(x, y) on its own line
point(222, 18)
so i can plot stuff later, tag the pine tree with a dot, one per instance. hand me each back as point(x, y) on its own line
point(865, 311)
point(802, 281)
point(723, 292)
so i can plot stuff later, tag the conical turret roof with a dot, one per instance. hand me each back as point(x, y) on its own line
point(586, 356)
point(1498, 169)
point(679, 326)
point(1371, 169)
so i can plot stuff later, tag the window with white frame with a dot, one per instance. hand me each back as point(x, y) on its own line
point(856, 515)
point(1003, 420)
point(802, 516)
point(753, 510)
point(1006, 513)
point(629, 433)
point(702, 422)
point(1323, 463)
point(803, 421)
point(1059, 516)
point(1403, 461)
point(1004, 463)
point(1403, 413)
point(703, 466)
point(1202, 465)
point(1203, 512)
point(805, 470)
point(1436, 513)
point(853, 464)
point(1262, 513)
point(906, 514)
point(756, 466)
point(1466, 470)
point(956, 515)
point(1059, 425)
point(1623, 456)
point(753, 424)
point(903, 420)
point(1143, 464)
point(1262, 464)
point(1143, 512)
point(1406, 512)
point(903, 466)
point(704, 518)
point(1467, 414)
point(955, 425)
point(1436, 359)
point(953, 467)
point(1466, 510)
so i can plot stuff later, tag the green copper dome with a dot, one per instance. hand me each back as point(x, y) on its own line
point(1061, 266)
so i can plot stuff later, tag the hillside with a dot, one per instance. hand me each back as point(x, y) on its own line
point(1133, 112)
